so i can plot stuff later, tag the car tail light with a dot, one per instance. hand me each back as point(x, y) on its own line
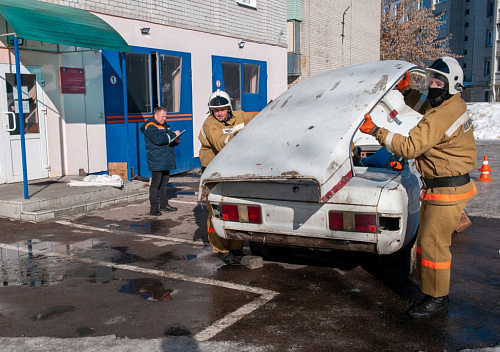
point(230, 212)
point(254, 214)
point(336, 220)
point(365, 222)
point(340, 221)
point(242, 213)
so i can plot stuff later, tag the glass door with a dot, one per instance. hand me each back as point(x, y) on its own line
point(34, 125)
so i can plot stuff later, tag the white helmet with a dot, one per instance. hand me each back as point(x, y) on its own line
point(448, 68)
point(219, 99)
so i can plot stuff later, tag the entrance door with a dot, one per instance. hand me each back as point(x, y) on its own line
point(244, 80)
point(11, 167)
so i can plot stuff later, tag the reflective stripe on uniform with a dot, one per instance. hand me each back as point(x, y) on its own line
point(448, 197)
point(431, 264)
point(460, 121)
point(420, 102)
point(203, 133)
point(227, 139)
point(160, 127)
point(388, 141)
point(435, 265)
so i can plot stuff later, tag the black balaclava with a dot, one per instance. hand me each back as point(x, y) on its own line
point(436, 96)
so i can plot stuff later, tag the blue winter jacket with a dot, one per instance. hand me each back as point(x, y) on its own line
point(159, 145)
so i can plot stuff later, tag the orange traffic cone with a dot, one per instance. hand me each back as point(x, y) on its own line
point(485, 171)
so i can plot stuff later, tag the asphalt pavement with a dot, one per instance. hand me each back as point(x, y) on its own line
point(119, 279)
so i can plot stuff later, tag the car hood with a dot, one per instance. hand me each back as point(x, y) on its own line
point(306, 133)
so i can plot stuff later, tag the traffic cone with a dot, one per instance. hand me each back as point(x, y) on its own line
point(485, 171)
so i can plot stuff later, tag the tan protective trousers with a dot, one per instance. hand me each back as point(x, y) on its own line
point(437, 223)
point(220, 244)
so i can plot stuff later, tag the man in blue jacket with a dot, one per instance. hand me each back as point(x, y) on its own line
point(160, 144)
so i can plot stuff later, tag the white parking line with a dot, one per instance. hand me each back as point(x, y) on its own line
point(84, 227)
point(163, 238)
point(209, 332)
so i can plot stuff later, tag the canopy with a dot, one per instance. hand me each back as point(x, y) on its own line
point(51, 23)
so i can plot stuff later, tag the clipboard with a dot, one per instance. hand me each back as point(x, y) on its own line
point(180, 134)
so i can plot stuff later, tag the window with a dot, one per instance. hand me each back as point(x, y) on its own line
point(466, 38)
point(466, 24)
point(489, 39)
point(138, 83)
point(487, 67)
point(442, 20)
point(498, 63)
point(249, 3)
point(486, 95)
point(29, 104)
point(231, 76)
point(251, 79)
point(490, 9)
point(465, 52)
point(465, 65)
point(467, 11)
point(170, 82)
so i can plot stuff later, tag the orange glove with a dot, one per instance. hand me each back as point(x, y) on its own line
point(404, 83)
point(368, 126)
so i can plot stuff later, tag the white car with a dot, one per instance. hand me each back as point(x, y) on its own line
point(289, 178)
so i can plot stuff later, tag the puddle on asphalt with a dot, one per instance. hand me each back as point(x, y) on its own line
point(53, 312)
point(31, 263)
point(149, 289)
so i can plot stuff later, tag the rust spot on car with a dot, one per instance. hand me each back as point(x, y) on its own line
point(335, 86)
point(290, 174)
point(381, 84)
point(215, 174)
point(286, 101)
point(274, 104)
point(319, 95)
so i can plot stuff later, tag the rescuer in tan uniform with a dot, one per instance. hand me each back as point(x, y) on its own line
point(221, 125)
point(444, 149)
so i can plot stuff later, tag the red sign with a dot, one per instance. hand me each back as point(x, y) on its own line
point(72, 80)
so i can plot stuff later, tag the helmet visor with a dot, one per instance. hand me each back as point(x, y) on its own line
point(436, 80)
point(218, 101)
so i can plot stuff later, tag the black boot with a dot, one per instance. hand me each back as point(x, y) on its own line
point(227, 257)
point(155, 212)
point(428, 307)
point(237, 253)
point(168, 208)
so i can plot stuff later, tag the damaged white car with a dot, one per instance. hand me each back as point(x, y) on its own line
point(292, 176)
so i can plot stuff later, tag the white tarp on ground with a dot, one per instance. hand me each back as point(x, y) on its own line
point(98, 180)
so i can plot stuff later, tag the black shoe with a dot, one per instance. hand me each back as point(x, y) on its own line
point(168, 208)
point(227, 258)
point(155, 212)
point(237, 253)
point(428, 307)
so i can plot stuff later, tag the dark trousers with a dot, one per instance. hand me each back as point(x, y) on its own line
point(158, 189)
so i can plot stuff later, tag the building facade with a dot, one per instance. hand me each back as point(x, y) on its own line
point(182, 50)
point(474, 26)
point(325, 35)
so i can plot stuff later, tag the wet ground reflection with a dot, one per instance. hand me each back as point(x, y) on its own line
point(38, 263)
point(149, 289)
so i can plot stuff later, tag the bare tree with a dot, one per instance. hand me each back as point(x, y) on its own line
point(411, 34)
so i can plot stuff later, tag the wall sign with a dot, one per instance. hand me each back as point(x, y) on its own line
point(72, 80)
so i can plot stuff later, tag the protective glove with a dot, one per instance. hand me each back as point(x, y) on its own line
point(368, 126)
point(404, 84)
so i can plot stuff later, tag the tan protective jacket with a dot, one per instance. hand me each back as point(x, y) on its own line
point(442, 144)
point(214, 135)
